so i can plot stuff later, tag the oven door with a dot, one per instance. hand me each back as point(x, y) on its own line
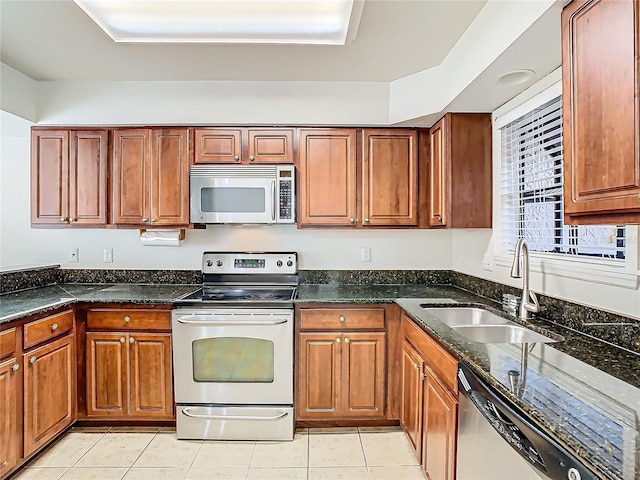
point(234, 197)
point(233, 356)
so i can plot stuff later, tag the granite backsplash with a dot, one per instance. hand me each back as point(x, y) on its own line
point(617, 329)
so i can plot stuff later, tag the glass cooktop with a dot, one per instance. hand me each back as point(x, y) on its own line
point(218, 294)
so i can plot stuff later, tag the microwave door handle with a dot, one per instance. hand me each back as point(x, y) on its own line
point(273, 203)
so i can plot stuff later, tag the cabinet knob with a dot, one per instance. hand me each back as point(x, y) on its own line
point(347, 340)
point(352, 220)
point(439, 217)
point(127, 319)
point(415, 365)
point(366, 219)
point(341, 317)
point(337, 339)
point(236, 157)
point(32, 360)
point(144, 219)
point(132, 340)
point(122, 340)
point(54, 327)
point(422, 376)
point(70, 219)
point(252, 158)
point(63, 219)
point(154, 220)
point(15, 368)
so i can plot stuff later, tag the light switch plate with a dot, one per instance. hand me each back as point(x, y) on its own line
point(73, 255)
point(108, 255)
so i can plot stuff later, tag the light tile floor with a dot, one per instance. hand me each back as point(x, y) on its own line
point(155, 454)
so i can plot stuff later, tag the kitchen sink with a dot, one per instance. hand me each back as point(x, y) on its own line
point(459, 316)
point(501, 334)
point(483, 326)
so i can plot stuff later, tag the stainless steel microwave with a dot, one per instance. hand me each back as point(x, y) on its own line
point(242, 194)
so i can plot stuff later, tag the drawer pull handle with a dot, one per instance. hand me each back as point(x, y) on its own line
point(132, 340)
point(15, 368)
point(122, 340)
point(342, 319)
point(127, 319)
point(54, 327)
point(32, 360)
point(337, 339)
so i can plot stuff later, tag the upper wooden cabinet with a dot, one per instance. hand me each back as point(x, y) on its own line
point(330, 193)
point(150, 177)
point(601, 111)
point(244, 145)
point(68, 177)
point(460, 171)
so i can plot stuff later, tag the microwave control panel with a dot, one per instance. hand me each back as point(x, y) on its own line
point(285, 194)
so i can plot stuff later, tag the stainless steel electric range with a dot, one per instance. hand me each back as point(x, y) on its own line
point(233, 349)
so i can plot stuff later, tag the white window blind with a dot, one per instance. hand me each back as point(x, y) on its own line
point(531, 190)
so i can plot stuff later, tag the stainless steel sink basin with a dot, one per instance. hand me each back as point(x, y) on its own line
point(458, 316)
point(501, 334)
point(483, 326)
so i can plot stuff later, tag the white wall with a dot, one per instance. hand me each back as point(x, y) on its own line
point(318, 249)
point(18, 94)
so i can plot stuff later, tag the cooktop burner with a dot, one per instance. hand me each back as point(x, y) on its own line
point(247, 294)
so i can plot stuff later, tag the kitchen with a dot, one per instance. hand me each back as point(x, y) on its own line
point(304, 102)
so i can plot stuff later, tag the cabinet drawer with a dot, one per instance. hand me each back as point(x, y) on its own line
point(7, 343)
point(46, 328)
point(128, 320)
point(342, 318)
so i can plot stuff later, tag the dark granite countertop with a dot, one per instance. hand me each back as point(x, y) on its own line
point(331, 293)
point(17, 305)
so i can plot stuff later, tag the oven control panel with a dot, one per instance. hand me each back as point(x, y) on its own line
point(249, 262)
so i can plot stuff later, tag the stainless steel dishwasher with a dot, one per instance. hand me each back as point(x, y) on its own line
point(496, 441)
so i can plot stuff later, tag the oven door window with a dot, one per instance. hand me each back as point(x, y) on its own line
point(233, 360)
point(233, 199)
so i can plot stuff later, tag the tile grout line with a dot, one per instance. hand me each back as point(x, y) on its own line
point(104, 434)
point(366, 464)
point(140, 454)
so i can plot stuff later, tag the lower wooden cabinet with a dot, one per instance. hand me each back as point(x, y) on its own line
point(341, 363)
point(439, 429)
point(412, 393)
point(49, 391)
point(10, 435)
point(429, 401)
point(129, 375)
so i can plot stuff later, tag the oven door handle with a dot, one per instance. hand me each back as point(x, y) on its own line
point(186, 411)
point(230, 322)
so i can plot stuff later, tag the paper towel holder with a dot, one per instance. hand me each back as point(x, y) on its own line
point(181, 233)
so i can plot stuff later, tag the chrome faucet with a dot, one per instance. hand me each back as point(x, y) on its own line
point(529, 302)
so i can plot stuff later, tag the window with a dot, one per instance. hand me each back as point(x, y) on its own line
point(532, 192)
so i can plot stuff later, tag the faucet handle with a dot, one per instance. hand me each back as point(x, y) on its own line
point(533, 305)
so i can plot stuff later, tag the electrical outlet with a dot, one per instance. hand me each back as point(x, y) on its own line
point(108, 255)
point(365, 254)
point(487, 263)
point(73, 255)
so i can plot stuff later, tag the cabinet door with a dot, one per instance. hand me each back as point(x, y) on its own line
point(10, 437)
point(130, 177)
point(88, 178)
point(151, 393)
point(601, 109)
point(318, 384)
point(49, 391)
point(218, 145)
point(107, 374)
point(327, 188)
point(270, 146)
point(439, 437)
point(390, 177)
point(169, 203)
point(363, 374)
point(50, 177)
point(438, 175)
point(412, 390)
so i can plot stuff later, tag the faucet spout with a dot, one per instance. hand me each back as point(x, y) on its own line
point(520, 269)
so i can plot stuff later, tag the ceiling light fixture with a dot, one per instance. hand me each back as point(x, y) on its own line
point(316, 22)
point(516, 77)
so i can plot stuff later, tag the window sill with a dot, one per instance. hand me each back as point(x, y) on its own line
point(617, 275)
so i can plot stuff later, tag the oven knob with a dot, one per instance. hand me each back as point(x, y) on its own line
point(209, 263)
point(219, 263)
point(279, 263)
point(289, 263)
